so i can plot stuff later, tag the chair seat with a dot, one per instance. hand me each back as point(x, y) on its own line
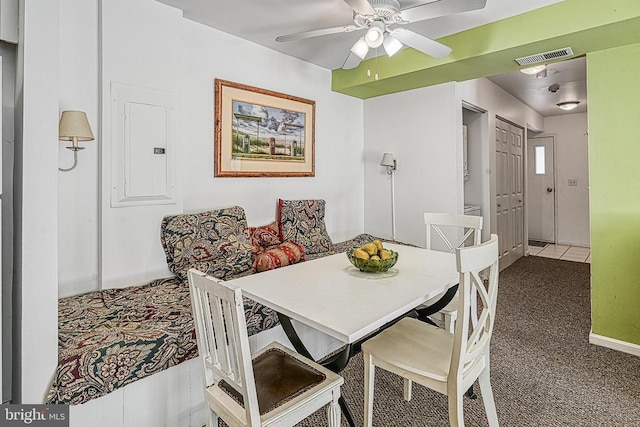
point(414, 346)
point(279, 378)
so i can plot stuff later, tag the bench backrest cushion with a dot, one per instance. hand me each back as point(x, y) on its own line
point(215, 242)
point(302, 222)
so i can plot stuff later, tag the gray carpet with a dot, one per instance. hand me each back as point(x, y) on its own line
point(543, 371)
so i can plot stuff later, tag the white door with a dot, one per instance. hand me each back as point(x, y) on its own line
point(509, 192)
point(541, 192)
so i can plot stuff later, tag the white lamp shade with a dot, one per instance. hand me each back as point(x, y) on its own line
point(74, 125)
point(387, 160)
point(391, 45)
point(361, 48)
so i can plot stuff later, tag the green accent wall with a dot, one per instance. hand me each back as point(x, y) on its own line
point(584, 25)
point(608, 33)
point(614, 168)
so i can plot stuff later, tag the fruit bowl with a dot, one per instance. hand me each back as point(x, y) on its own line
point(373, 265)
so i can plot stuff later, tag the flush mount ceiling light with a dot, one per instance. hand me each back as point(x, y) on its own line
point(569, 105)
point(533, 70)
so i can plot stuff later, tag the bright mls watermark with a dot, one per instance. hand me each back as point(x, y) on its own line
point(34, 415)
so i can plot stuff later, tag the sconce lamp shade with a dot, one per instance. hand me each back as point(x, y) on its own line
point(387, 160)
point(74, 126)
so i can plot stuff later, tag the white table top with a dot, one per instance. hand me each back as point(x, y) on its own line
point(331, 295)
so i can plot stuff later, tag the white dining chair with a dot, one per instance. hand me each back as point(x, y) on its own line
point(446, 362)
point(275, 387)
point(454, 231)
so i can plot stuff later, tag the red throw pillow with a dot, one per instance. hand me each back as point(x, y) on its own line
point(264, 237)
point(279, 256)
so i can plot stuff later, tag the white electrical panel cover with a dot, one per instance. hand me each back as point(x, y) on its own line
point(143, 158)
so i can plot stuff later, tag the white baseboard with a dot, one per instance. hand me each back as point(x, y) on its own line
point(614, 344)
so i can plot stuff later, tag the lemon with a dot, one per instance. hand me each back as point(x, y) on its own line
point(359, 253)
point(370, 249)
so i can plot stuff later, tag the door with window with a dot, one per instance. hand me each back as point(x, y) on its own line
point(541, 196)
point(509, 204)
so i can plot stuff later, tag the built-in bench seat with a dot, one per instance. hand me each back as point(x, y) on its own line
point(110, 338)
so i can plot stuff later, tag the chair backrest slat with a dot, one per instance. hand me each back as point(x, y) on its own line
point(223, 343)
point(471, 341)
point(449, 226)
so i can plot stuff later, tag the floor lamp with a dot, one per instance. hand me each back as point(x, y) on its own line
point(390, 163)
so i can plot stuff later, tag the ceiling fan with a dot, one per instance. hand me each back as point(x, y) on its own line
point(383, 20)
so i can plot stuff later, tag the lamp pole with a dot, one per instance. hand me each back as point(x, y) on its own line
point(390, 163)
point(393, 206)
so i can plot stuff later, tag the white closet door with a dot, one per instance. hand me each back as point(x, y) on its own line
point(509, 204)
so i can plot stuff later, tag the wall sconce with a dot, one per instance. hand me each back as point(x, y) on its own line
point(390, 163)
point(74, 127)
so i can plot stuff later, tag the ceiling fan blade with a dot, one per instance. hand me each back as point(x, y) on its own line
point(316, 33)
point(440, 8)
point(352, 61)
point(361, 6)
point(422, 43)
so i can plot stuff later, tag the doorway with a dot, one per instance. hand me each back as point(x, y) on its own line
point(541, 196)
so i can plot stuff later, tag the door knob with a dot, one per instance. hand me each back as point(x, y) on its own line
point(549, 189)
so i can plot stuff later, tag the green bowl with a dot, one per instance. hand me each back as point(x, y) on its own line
point(373, 266)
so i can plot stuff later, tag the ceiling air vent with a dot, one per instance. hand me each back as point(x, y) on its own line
point(546, 56)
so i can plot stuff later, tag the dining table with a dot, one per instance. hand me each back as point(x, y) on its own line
point(331, 295)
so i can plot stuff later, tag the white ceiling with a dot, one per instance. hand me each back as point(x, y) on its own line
point(570, 75)
point(261, 21)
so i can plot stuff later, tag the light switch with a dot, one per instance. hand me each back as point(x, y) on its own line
point(573, 182)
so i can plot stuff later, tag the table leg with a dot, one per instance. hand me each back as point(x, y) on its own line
point(336, 363)
point(424, 313)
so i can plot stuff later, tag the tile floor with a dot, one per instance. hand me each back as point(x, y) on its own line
point(565, 252)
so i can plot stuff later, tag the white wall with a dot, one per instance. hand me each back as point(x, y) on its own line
point(485, 94)
point(210, 54)
point(36, 200)
point(149, 44)
point(78, 189)
point(141, 47)
point(422, 128)
point(572, 162)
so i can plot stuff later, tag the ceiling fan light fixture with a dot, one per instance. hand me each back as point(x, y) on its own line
point(533, 70)
point(375, 35)
point(391, 45)
point(569, 105)
point(360, 48)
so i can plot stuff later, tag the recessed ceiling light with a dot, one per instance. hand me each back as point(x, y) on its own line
point(569, 105)
point(533, 70)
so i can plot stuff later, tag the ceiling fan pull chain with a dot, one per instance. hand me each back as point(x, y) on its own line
point(376, 76)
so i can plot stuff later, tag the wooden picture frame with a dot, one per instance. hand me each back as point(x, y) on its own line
point(262, 133)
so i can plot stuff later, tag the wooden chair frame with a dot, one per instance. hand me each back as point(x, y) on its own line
point(434, 225)
point(445, 362)
point(223, 346)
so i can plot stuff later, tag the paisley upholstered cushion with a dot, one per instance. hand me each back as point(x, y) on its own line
point(215, 242)
point(286, 253)
point(302, 222)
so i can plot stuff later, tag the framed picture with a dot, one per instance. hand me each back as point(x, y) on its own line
point(261, 133)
